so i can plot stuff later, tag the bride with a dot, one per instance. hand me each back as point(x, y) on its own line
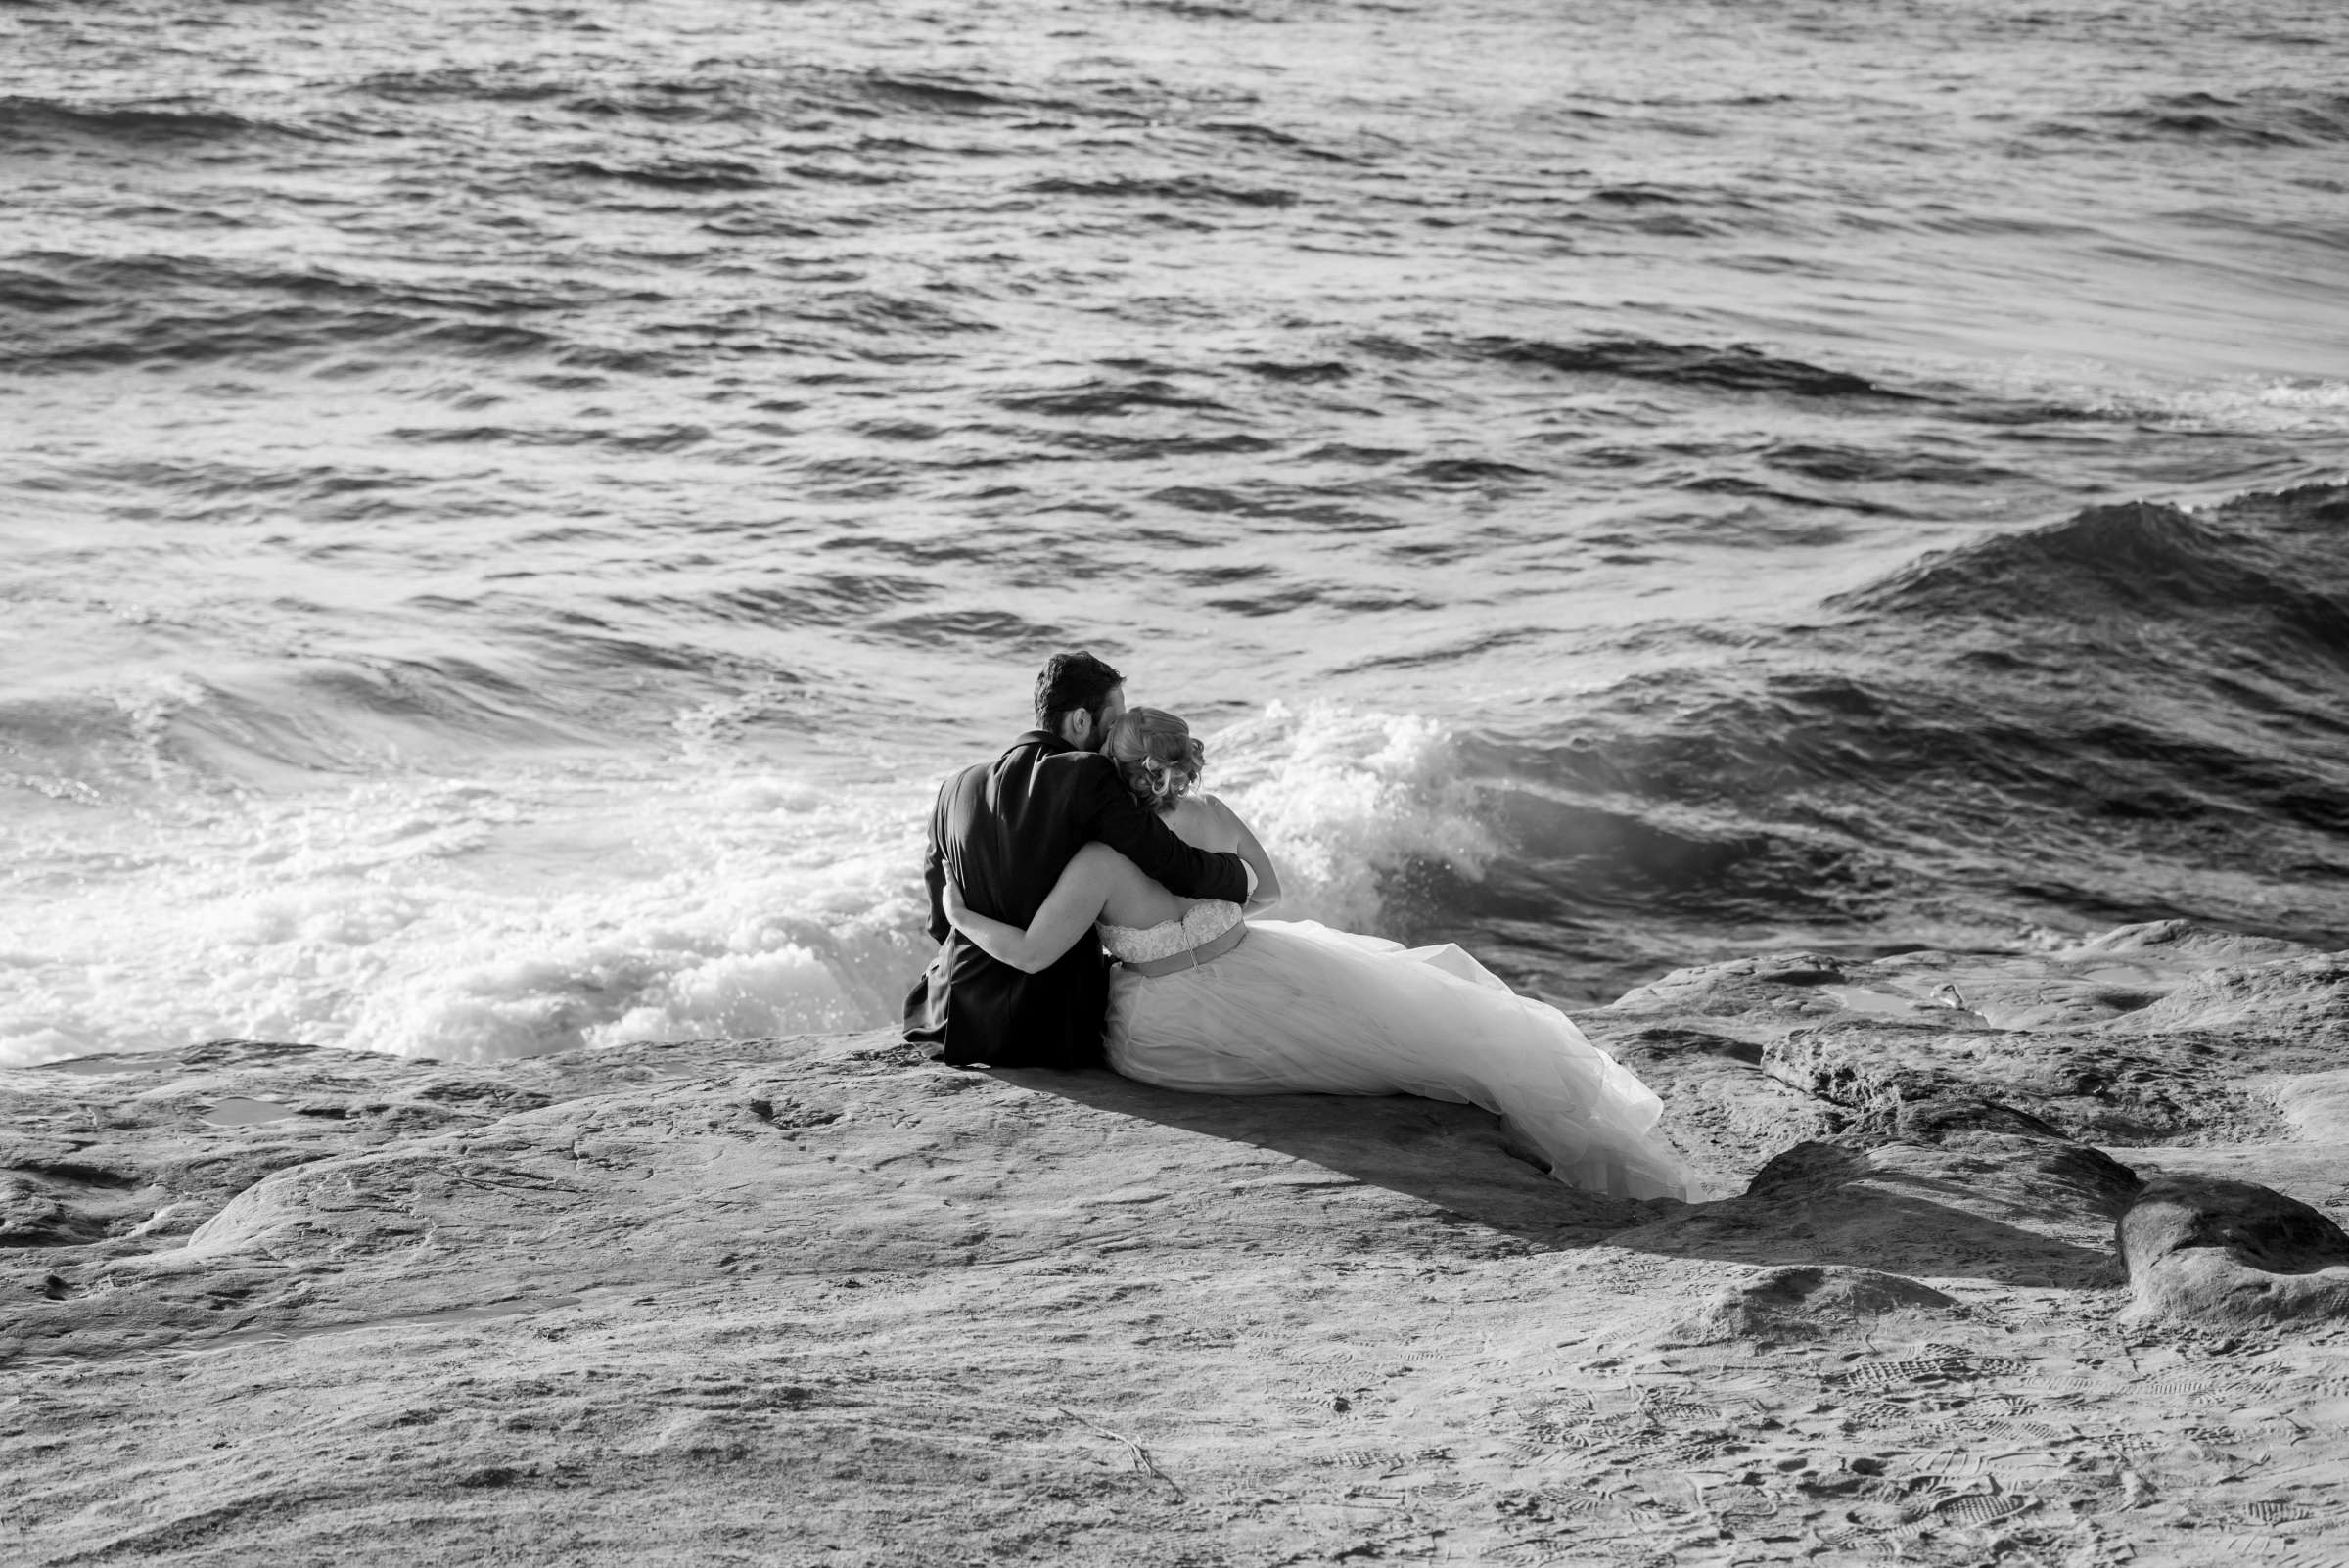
point(1206, 1000)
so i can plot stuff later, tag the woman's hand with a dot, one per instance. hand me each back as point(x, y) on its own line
point(1244, 842)
point(1067, 916)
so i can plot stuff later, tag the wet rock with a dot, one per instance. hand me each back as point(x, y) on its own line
point(1728, 1113)
point(1744, 996)
point(2095, 983)
point(2315, 1105)
point(2183, 943)
point(2208, 1250)
point(2301, 1000)
point(31, 1216)
point(2138, 1090)
point(48, 1202)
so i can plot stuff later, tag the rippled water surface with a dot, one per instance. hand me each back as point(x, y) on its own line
point(509, 511)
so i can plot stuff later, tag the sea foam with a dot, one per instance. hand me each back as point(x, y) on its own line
point(482, 918)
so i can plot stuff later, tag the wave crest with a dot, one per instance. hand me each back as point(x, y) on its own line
point(1732, 367)
point(2149, 564)
point(30, 122)
point(1350, 803)
point(2277, 117)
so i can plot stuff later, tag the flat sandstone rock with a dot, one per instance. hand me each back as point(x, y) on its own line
point(821, 1301)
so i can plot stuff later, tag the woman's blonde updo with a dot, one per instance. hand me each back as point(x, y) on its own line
point(1155, 752)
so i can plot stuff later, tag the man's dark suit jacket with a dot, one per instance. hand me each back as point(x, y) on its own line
point(1004, 831)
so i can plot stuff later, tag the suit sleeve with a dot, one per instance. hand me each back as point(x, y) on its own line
point(1114, 816)
point(933, 867)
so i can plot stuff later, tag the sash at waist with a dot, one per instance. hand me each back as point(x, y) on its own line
point(1192, 959)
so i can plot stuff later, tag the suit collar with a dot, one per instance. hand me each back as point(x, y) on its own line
point(1043, 738)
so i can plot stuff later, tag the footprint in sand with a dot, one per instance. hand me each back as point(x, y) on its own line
point(1371, 1458)
point(1978, 1509)
point(1904, 1374)
point(1934, 1370)
point(2175, 1385)
point(1564, 1404)
point(1742, 1513)
point(1680, 1412)
point(2002, 1366)
point(1334, 1405)
point(2006, 1426)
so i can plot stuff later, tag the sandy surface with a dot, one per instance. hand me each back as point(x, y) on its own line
point(816, 1300)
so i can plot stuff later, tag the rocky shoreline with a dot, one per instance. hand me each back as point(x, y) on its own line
point(2025, 1259)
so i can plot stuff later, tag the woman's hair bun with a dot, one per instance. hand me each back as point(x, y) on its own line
point(1157, 755)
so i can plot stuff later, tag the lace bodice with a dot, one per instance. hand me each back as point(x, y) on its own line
point(1203, 922)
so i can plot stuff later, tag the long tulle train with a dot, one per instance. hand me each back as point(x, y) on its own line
point(1299, 1007)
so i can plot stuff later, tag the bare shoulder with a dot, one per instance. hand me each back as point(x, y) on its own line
point(1205, 821)
point(1106, 871)
point(1216, 811)
point(1097, 858)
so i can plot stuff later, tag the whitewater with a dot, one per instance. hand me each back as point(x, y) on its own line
point(509, 512)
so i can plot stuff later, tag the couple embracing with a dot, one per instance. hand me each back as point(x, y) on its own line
point(1092, 906)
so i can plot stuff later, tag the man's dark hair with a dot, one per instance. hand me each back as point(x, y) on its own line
point(1070, 682)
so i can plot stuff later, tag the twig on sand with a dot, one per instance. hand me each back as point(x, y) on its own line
point(1141, 1455)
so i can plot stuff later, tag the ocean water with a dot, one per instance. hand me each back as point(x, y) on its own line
point(509, 511)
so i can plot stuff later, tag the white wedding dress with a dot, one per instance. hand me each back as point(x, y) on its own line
point(1300, 1008)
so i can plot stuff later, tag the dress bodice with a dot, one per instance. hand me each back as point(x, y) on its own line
point(1202, 923)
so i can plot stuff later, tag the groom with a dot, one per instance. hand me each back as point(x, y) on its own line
point(1003, 831)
